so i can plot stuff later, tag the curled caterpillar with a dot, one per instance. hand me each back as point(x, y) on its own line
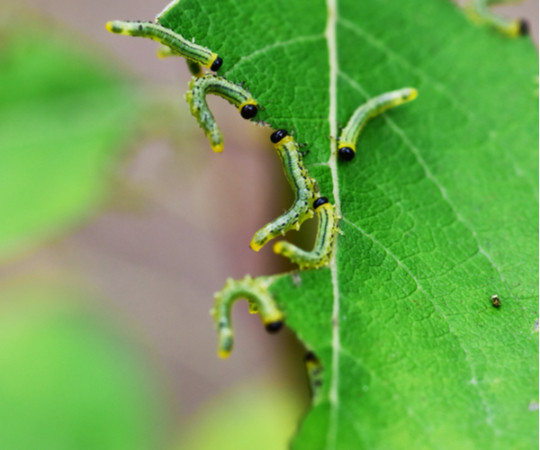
point(324, 242)
point(479, 12)
point(194, 67)
point(259, 298)
point(374, 107)
point(233, 93)
point(178, 44)
point(304, 191)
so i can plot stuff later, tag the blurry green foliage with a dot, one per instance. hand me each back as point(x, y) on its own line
point(259, 415)
point(68, 381)
point(64, 119)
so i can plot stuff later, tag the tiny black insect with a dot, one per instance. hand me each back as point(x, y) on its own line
point(495, 301)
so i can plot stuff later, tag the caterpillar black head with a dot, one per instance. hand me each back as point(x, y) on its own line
point(346, 153)
point(278, 135)
point(216, 65)
point(319, 202)
point(524, 29)
point(249, 111)
point(274, 327)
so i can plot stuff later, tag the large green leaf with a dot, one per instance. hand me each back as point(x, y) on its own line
point(438, 209)
point(63, 119)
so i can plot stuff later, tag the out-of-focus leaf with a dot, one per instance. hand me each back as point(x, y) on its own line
point(258, 416)
point(68, 381)
point(64, 117)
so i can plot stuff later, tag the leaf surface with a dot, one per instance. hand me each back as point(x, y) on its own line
point(439, 213)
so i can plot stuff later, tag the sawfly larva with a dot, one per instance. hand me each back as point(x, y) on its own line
point(233, 93)
point(349, 135)
point(304, 191)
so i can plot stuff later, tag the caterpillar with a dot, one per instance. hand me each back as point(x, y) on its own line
point(178, 44)
point(479, 12)
point(349, 135)
point(303, 185)
point(315, 374)
point(233, 93)
point(260, 300)
point(194, 67)
point(324, 242)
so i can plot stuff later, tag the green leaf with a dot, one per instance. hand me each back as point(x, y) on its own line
point(438, 208)
point(64, 117)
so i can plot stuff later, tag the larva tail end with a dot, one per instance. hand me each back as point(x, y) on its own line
point(225, 342)
point(255, 245)
point(218, 148)
point(110, 27)
point(279, 247)
point(224, 354)
point(412, 95)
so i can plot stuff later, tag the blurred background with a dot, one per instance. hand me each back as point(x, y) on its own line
point(118, 225)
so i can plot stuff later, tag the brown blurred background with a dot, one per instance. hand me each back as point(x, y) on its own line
point(176, 226)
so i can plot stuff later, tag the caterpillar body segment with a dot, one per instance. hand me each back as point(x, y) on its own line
point(233, 93)
point(324, 242)
point(479, 12)
point(304, 187)
point(255, 291)
point(315, 373)
point(349, 135)
point(177, 43)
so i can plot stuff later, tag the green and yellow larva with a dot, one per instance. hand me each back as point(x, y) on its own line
point(194, 67)
point(324, 242)
point(255, 291)
point(304, 191)
point(315, 374)
point(349, 135)
point(479, 12)
point(177, 43)
point(233, 93)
